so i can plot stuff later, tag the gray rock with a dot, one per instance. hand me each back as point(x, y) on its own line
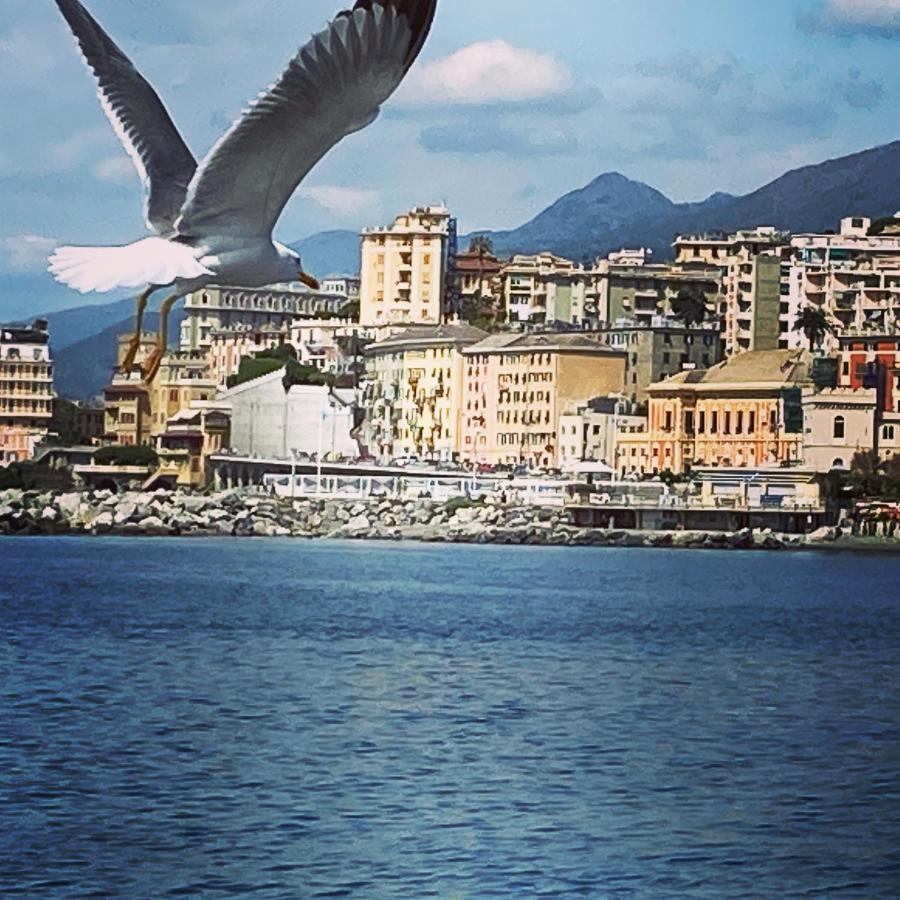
point(103, 521)
point(68, 504)
point(50, 514)
point(358, 526)
point(153, 525)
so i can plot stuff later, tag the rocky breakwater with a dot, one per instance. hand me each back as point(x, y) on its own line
point(250, 514)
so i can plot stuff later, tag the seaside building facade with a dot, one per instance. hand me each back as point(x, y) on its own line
point(26, 390)
point(414, 393)
point(745, 412)
point(516, 388)
point(403, 269)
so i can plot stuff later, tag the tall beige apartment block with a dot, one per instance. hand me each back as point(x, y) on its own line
point(403, 269)
point(26, 390)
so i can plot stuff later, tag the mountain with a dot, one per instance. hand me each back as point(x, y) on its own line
point(330, 253)
point(613, 211)
point(591, 216)
point(83, 368)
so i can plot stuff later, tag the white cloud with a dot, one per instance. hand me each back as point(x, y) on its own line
point(117, 169)
point(27, 252)
point(485, 73)
point(341, 200)
point(875, 18)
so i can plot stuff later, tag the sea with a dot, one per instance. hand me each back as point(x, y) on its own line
point(214, 718)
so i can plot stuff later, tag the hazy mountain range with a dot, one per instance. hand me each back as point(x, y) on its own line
point(609, 213)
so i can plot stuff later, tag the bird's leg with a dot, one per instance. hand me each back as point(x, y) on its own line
point(162, 339)
point(134, 346)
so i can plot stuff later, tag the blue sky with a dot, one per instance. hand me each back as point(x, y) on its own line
point(513, 103)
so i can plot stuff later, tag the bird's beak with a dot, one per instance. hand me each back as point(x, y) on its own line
point(309, 281)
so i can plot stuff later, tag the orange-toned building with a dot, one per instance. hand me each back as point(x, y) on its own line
point(745, 412)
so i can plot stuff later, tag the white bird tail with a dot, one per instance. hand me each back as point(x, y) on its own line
point(152, 261)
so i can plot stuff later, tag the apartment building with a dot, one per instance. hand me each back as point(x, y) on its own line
point(851, 275)
point(543, 289)
point(517, 387)
point(415, 392)
point(596, 432)
point(216, 309)
point(745, 412)
point(750, 262)
point(642, 293)
point(659, 348)
point(26, 390)
point(403, 269)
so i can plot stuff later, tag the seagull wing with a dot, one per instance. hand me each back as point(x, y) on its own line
point(139, 118)
point(332, 88)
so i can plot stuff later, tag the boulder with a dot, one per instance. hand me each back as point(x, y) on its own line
point(153, 525)
point(103, 522)
point(68, 504)
point(824, 536)
point(358, 526)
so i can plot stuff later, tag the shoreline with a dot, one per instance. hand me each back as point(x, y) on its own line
point(245, 514)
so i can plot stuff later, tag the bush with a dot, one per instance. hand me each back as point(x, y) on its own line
point(126, 456)
point(252, 368)
point(451, 506)
point(30, 477)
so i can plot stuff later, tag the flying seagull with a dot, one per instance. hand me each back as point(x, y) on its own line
point(213, 222)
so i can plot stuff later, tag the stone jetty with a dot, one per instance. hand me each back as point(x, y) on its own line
point(251, 514)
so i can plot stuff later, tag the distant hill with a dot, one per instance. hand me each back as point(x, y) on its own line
point(613, 211)
point(84, 368)
point(330, 253)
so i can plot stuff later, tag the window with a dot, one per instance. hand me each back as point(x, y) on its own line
point(840, 427)
point(888, 433)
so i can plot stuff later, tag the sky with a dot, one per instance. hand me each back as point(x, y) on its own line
point(512, 104)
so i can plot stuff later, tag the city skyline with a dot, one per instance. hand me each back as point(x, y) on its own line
point(497, 120)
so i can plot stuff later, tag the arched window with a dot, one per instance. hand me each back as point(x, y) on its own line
point(840, 427)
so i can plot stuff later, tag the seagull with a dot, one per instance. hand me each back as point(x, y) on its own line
point(213, 223)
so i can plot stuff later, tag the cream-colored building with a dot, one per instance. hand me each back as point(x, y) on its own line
point(415, 391)
point(853, 276)
point(751, 302)
point(838, 424)
point(544, 288)
point(517, 388)
point(596, 432)
point(216, 309)
point(26, 390)
point(403, 268)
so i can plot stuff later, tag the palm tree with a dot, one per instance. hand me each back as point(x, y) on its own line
point(815, 324)
point(690, 305)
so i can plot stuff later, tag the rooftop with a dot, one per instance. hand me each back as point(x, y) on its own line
point(527, 343)
point(428, 336)
point(769, 368)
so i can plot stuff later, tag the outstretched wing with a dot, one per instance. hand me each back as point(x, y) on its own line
point(332, 88)
point(139, 118)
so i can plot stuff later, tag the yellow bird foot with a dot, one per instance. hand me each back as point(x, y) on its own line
point(151, 367)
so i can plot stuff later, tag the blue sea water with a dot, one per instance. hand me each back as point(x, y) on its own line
point(282, 719)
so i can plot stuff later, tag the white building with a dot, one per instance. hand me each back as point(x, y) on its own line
point(271, 423)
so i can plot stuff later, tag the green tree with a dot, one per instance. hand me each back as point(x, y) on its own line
point(866, 477)
point(815, 325)
point(690, 305)
point(121, 455)
point(482, 245)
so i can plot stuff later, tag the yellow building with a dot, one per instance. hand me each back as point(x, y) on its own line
point(26, 390)
point(745, 412)
point(403, 269)
point(176, 413)
point(414, 396)
point(517, 388)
